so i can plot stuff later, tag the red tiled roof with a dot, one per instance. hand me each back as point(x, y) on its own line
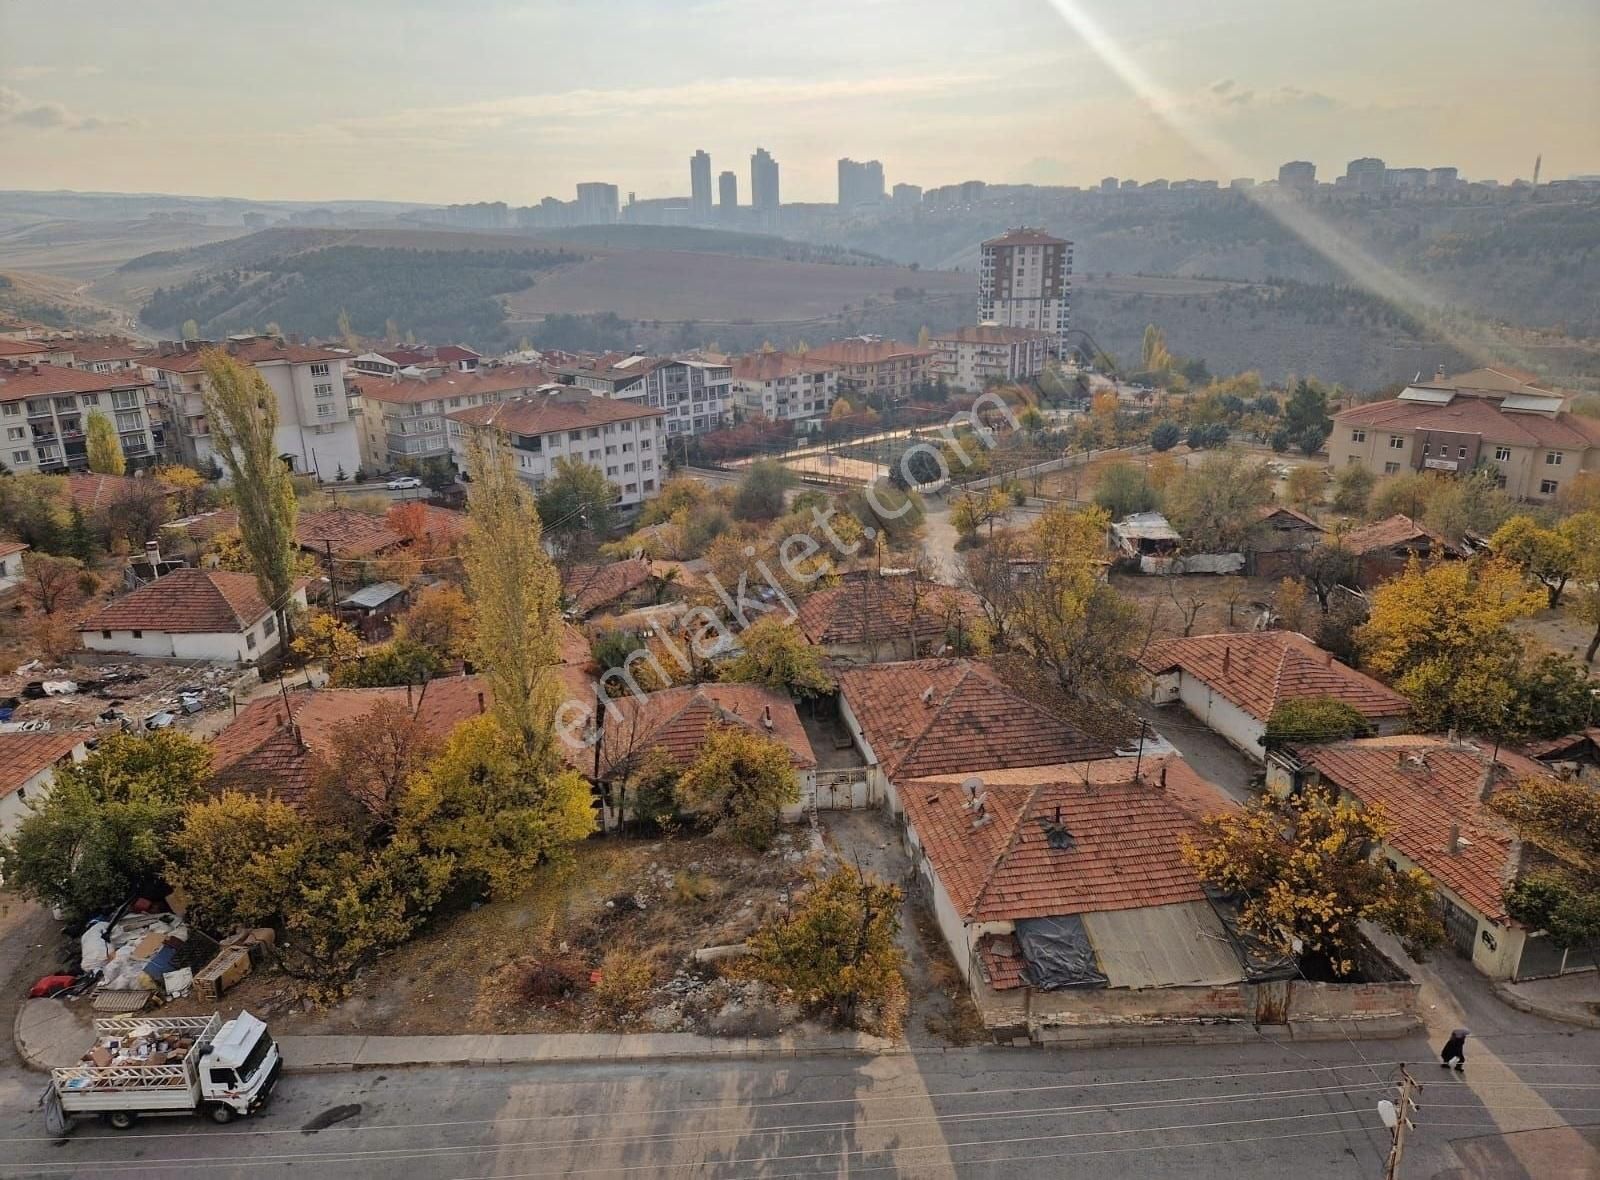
point(260, 753)
point(45, 380)
point(185, 601)
point(1259, 670)
point(1425, 785)
point(925, 717)
point(990, 334)
point(589, 587)
point(350, 533)
point(85, 351)
point(534, 414)
point(868, 607)
point(678, 719)
point(1393, 531)
point(252, 352)
point(1024, 236)
point(481, 383)
point(7, 548)
point(1125, 838)
point(23, 755)
point(15, 348)
point(1287, 516)
point(866, 352)
point(769, 366)
point(1480, 416)
point(92, 492)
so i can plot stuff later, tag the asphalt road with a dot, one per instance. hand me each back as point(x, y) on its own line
point(1240, 1112)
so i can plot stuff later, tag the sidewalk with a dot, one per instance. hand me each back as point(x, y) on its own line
point(50, 1034)
point(1571, 999)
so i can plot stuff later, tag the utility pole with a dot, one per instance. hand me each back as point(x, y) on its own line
point(1404, 1108)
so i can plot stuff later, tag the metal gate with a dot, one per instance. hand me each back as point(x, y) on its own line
point(842, 790)
point(1460, 927)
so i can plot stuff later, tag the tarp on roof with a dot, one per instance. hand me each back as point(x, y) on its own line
point(1058, 953)
point(1261, 962)
point(1176, 945)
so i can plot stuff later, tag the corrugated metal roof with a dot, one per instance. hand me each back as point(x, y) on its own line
point(373, 596)
point(1163, 946)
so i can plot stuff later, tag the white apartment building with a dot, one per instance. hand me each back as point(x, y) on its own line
point(972, 356)
point(44, 413)
point(1025, 281)
point(625, 441)
point(403, 419)
point(784, 386)
point(318, 430)
point(695, 396)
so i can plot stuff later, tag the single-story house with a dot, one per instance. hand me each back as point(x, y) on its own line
point(1384, 548)
point(96, 493)
point(1148, 542)
point(343, 533)
point(677, 720)
point(189, 614)
point(28, 763)
point(272, 746)
point(1232, 683)
point(1575, 755)
point(875, 615)
point(924, 717)
point(591, 587)
point(1278, 536)
point(370, 606)
point(1433, 791)
point(11, 563)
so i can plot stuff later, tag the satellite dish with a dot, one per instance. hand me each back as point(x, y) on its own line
point(1386, 1112)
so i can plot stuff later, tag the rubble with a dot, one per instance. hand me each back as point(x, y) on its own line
point(127, 694)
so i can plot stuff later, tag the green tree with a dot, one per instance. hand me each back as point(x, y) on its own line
point(1165, 436)
point(1545, 555)
point(516, 596)
point(1305, 414)
point(739, 785)
point(1467, 504)
point(102, 834)
point(1123, 489)
point(242, 411)
point(837, 950)
point(1352, 488)
point(761, 492)
point(105, 449)
point(1562, 896)
point(1215, 505)
point(79, 543)
point(400, 661)
point(1301, 868)
point(575, 506)
point(1314, 719)
point(34, 509)
point(237, 857)
point(773, 653)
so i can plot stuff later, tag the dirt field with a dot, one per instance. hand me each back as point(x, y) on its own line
point(1170, 601)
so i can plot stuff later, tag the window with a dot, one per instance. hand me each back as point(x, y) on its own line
point(1391, 469)
point(17, 433)
point(21, 457)
point(1397, 442)
point(1427, 448)
point(1547, 487)
point(13, 410)
point(1552, 458)
point(250, 641)
point(1358, 436)
point(323, 390)
point(1461, 452)
point(223, 1078)
point(1502, 454)
point(105, 635)
point(320, 369)
point(574, 436)
point(91, 399)
point(270, 626)
point(325, 410)
point(138, 634)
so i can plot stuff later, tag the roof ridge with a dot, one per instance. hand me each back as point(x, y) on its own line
point(938, 711)
point(1011, 843)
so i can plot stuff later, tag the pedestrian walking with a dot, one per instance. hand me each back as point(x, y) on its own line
point(1455, 1049)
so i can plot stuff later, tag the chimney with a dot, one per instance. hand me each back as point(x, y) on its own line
point(766, 716)
point(1227, 658)
point(1455, 839)
point(480, 702)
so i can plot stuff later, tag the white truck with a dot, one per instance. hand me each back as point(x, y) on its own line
point(154, 1065)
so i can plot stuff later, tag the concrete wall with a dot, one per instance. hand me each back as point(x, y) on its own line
point(1222, 716)
point(216, 647)
point(16, 806)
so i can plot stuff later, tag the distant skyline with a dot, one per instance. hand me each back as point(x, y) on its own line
point(487, 100)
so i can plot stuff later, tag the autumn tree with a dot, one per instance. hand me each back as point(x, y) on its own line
point(973, 510)
point(516, 596)
point(760, 495)
point(837, 950)
point(327, 639)
point(1352, 488)
point(739, 785)
point(188, 484)
point(1324, 568)
point(34, 509)
point(1306, 485)
point(576, 505)
point(773, 653)
point(991, 573)
point(237, 857)
point(138, 512)
point(1122, 489)
point(440, 619)
point(1472, 504)
point(358, 784)
point(1215, 505)
point(1582, 532)
point(1301, 871)
point(1561, 893)
point(104, 447)
point(242, 412)
point(102, 834)
point(1545, 555)
point(1405, 495)
point(51, 584)
point(1441, 635)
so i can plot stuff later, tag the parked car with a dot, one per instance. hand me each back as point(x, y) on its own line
point(401, 483)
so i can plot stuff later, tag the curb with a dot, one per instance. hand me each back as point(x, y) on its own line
point(1511, 999)
point(734, 1053)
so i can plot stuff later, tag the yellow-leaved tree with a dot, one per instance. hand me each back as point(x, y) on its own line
point(104, 448)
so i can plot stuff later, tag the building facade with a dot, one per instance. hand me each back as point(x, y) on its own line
point(887, 368)
point(860, 183)
point(971, 357)
point(784, 386)
point(318, 430)
point(1025, 281)
point(597, 203)
point(764, 181)
point(727, 196)
point(700, 186)
point(694, 396)
point(44, 417)
point(626, 442)
point(403, 420)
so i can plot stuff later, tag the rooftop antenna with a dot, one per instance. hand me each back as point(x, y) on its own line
point(1538, 163)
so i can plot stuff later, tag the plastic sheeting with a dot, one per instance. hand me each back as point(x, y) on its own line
point(1058, 953)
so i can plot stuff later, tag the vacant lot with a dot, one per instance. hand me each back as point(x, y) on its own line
point(1205, 603)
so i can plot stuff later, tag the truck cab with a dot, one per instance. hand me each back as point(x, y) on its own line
point(239, 1068)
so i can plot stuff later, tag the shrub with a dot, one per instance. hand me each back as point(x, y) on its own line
point(623, 988)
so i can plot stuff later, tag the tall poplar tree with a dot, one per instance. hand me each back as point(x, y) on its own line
point(105, 449)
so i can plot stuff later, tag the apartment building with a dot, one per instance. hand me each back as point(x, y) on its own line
point(317, 419)
point(612, 374)
point(107, 355)
point(44, 412)
point(971, 357)
point(695, 396)
point(1025, 281)
point(887, 368)
point(1488, 417)
point(425, 359)
point(784, 386)
point(625, 441)
point(403, 419)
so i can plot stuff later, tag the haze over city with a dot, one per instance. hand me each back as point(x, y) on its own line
point(501, 101)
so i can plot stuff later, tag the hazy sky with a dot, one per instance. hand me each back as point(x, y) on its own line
point(492, 100)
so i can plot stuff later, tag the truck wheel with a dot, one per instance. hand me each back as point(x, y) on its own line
point(222, 1113)
point(121, 1120)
